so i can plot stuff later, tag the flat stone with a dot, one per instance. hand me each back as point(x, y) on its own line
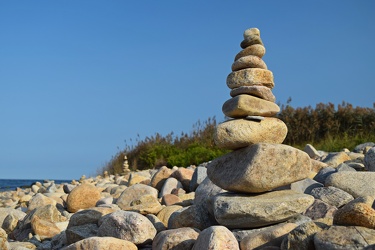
point(258, 168)
point(254, 50)
point(239, 133)
point(178, 239)
point(369, 159)
point(251, 211)
point(344, 238)
point(82, 197)
point(102, 243)
point(362, 147)
point(250, 77)
point(130, 226)
point(333, 196)
point(356, 213)
point(251, 40)
point(249, 62)
point(216, 237)
point(311, 151)
point(256, 90)
point(244, 105)
point(358, 184)
point(270, 237)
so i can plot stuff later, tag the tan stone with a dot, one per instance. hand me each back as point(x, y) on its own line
point(356, 213)
point(183, 175)
point(39, 200)
point(269, 237)
point(45, 229)
point(246, 105)
point(258, 168)
point(81, 197)
point(99, 243)
point(180, 238)
point(334, 159)
point(251, 40)
point(146, 204)
point(239, 133)
point(250, 77)
point(137, 178)
point(216, 237)
point(251, 32)
point(166, 213)
point(255, 50)
point(134, 193)
point(316, 165)
point(249, 62)
point(170, 199)
point(160, 177)
point(256, 90)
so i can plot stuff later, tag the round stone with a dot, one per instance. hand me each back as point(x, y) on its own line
point(251, 32)
point(255, 50)
point(249, 62)
point(239, 133)
point(251, 40)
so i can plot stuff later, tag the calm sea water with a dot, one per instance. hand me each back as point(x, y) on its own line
point(12, 184)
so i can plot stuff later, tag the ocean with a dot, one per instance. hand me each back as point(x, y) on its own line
point(12, 184)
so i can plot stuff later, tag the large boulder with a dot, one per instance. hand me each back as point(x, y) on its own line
point(82, 197)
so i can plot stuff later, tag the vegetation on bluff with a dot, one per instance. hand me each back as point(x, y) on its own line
point(325, 127)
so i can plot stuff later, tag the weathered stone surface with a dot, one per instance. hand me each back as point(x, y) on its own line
point(254, 50)
point(344, 167)
point(256, 90)
point(166, 213)
point(178, 239)
point(369, 159)
point(139, 178)
point(356, 213)
point(358, 184)
point(39, 200)
point(251, 40)
point(99, 243)
point(77, 233)
point(200, 173)
point(3, 240)
point(184, 176)
point(305, 186)
point(316, 165)
point(160, 177)
point(134, 193)
point(361, 147)
point(44, 228)
point(239, 133)
point(87, 216)
point(323, 174)
point(249, 62)
point(5, 211)
point(302, 237)
point(146, 204)
point(262, 167)
point(159, 226)
point(169, 185)
point(270, 237)
point(320, 209)
point(250, 211)
point(334, 159)
point(192, 216)
point(344, 238)
point(170, 199)
point(21, 246)
point(250, 77)
point(130, 226)
point(216, 237)
point(311, 151)
point(331, 195)
point(246, 105)
point(251, 32)
point(10, 222)
point(82, 197)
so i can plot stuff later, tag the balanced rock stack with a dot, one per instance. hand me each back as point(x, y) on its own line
point(252, 104)
point(259, 165)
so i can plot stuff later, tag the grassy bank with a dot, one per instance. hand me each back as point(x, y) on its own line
point(325, 127)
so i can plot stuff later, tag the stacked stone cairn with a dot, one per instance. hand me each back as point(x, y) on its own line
point(262, 195)
point(259, 164)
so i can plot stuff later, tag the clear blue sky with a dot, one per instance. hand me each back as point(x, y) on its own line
point(78, 78)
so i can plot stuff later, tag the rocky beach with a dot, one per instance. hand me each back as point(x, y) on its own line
point(261, 195)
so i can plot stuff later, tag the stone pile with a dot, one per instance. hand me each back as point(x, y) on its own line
point(252, 105)
point(263, 195)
